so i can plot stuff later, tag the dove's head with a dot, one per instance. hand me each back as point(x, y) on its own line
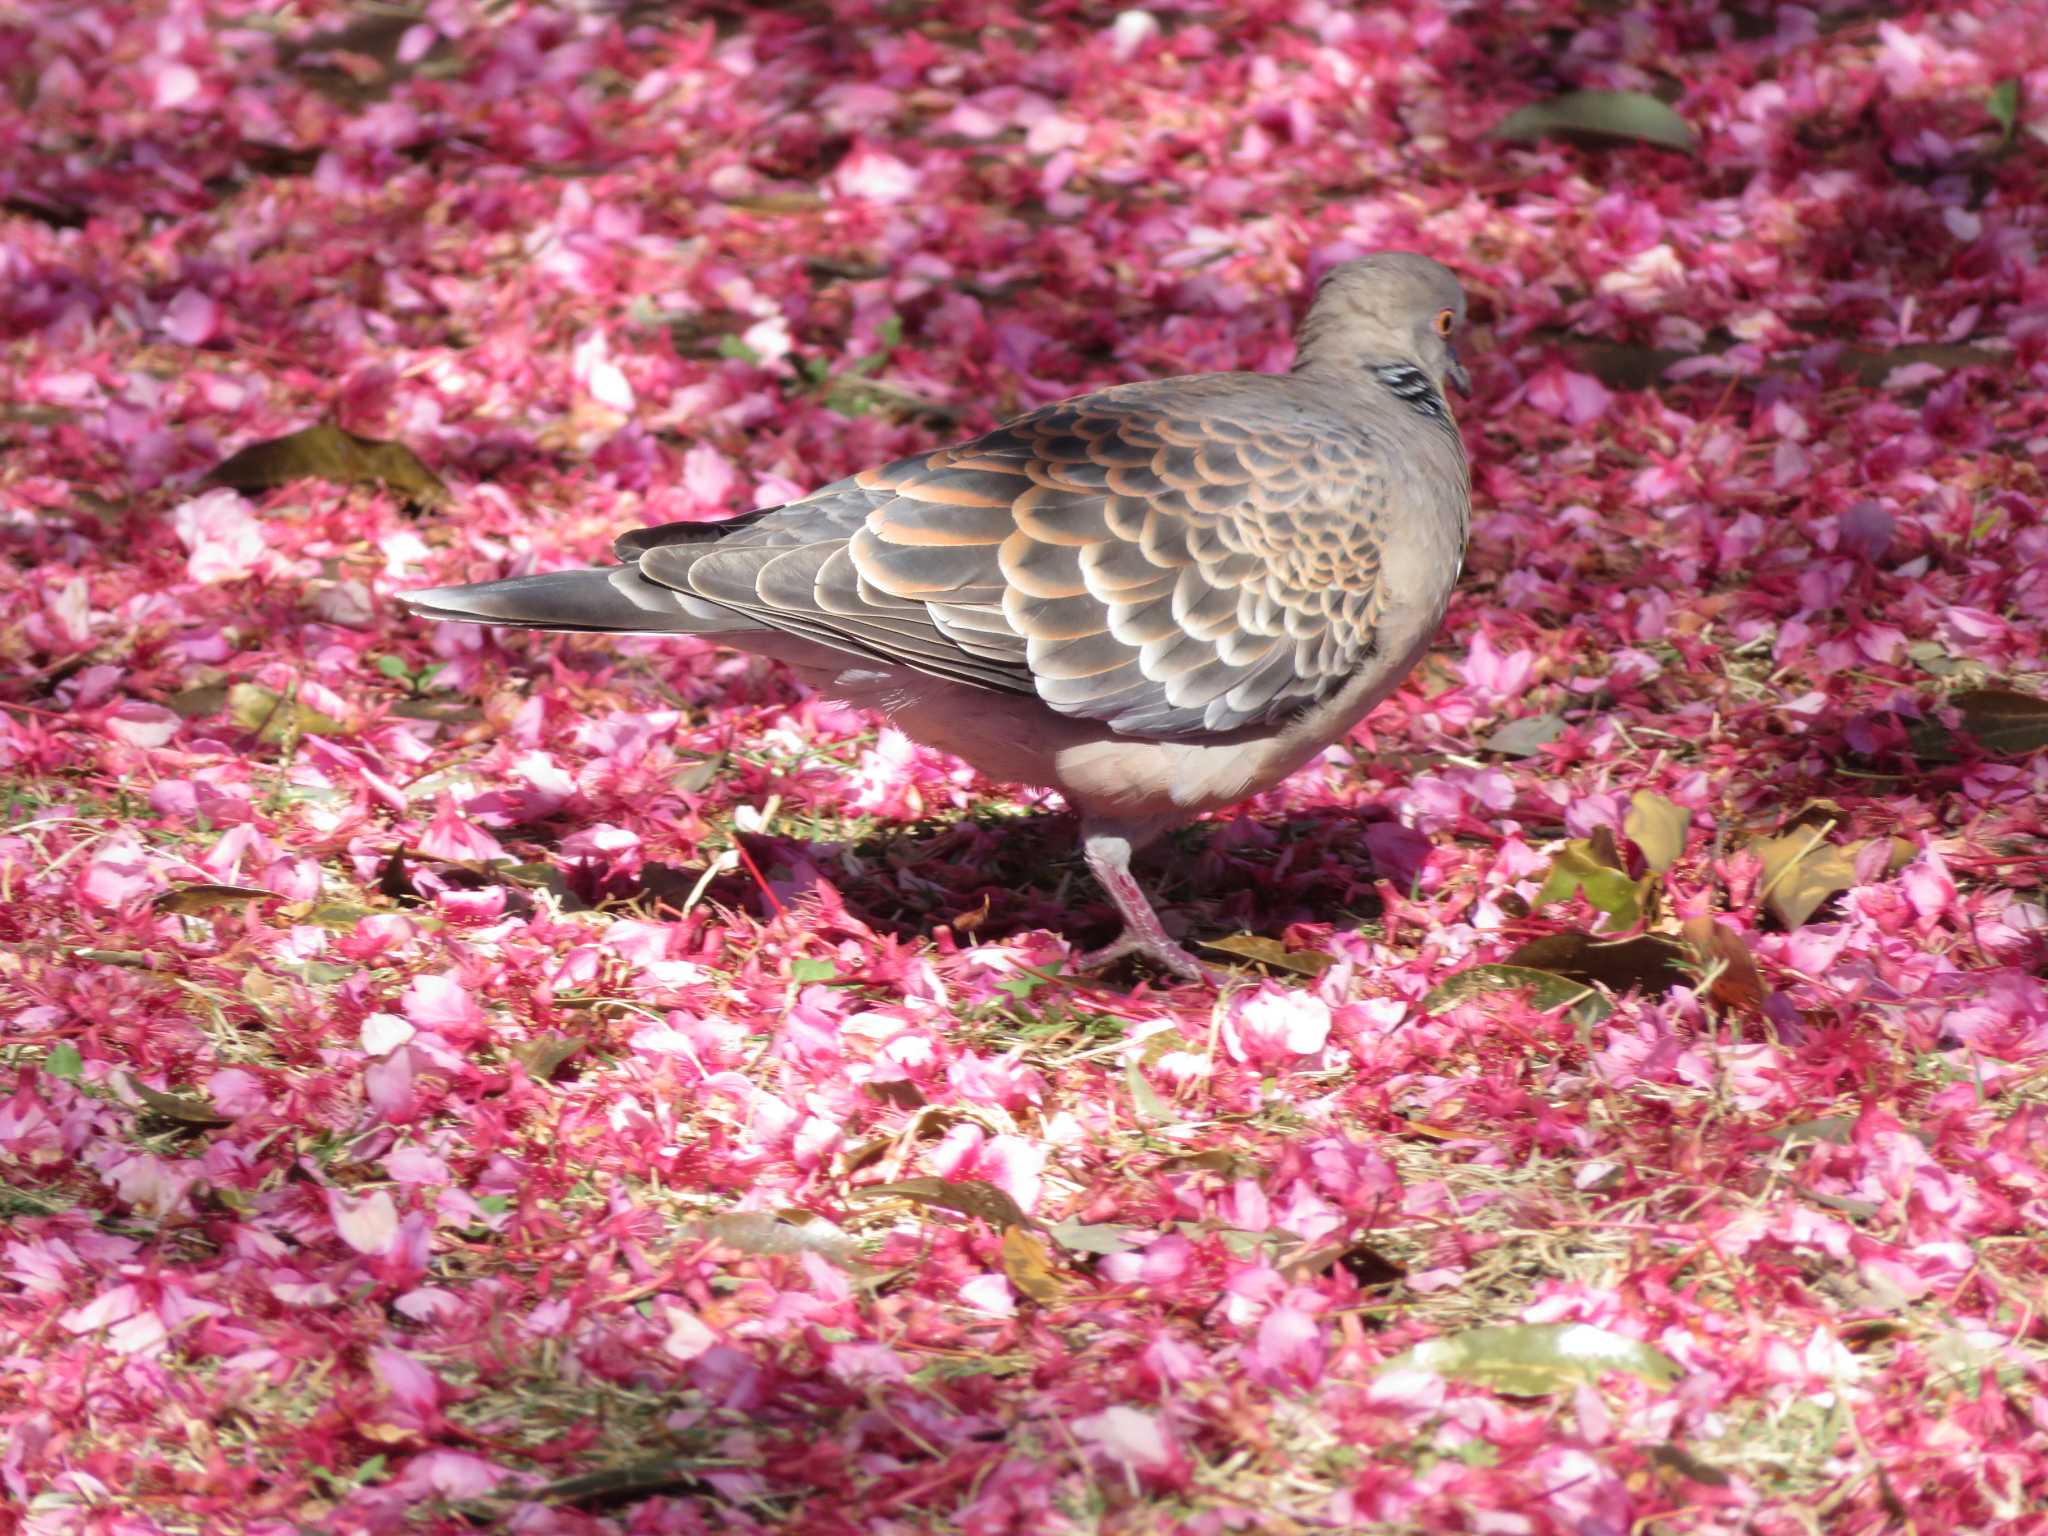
point(1392, 307)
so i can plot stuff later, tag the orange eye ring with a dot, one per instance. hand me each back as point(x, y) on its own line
point(1444, 320)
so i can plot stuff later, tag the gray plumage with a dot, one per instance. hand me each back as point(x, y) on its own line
point(1157, 598)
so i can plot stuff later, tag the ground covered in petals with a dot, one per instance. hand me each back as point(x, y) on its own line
point(459, 1080)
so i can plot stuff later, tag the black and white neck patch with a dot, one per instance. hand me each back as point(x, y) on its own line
point(1409, 383)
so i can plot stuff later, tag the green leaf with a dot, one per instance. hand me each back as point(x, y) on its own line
point(175, 1106)
point(1834, 1129)
point(1023, 983)
point(327, 453)
point(2003, 103)
point(274, 718)
point(544, 1056)
point(494, 1205)
point(1546, 990)
point(64, 1061)
point(1475, 1453)
point(342, 916)
point(1580, 869)
point(1526, 737)
point(1600, 117)
point(321, 973)
point(197, 703)
point(1095, 1239)
point(394, 667)
point(1656, 826)
point(733, 346)
point(1537, 1359)
point(890, 332)
point(770, 1236)
point(1145, 1098)
point(612, 1485)
point(805, 969)
point(446, 711)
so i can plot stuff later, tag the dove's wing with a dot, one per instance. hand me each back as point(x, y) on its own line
point(1184, 556)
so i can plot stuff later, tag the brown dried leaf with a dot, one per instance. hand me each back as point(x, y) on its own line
point(971, 1197)
point(901, 1092)
point(1737, 985)
point(1365, 1264)
point(1430, 1131)
point(1673, 1457)
point(1217, 1160)
point(617, 1485)
point(1822, 813)
point(187, 900)
point(1996, 720)
point(1029, 1265)
point(1653, 962)
point(1272, 954)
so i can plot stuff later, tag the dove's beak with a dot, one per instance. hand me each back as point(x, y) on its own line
point(1454, 370)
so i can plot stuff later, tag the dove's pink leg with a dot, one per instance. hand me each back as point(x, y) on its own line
point(1109, 850)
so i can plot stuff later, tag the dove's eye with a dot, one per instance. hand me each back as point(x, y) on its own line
point(1444, 321)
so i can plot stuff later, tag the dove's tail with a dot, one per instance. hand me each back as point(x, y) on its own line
point(614, 599)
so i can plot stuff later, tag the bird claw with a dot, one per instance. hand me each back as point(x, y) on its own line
point(1161, 952)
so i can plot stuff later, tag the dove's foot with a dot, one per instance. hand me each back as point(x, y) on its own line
point(1109, 850)
point(1159, 950)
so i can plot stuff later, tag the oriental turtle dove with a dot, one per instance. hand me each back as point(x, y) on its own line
point(1158, 599)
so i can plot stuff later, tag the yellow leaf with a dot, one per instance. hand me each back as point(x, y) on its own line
point(342, 458)
point(1658, 827)
point(1801, 871)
